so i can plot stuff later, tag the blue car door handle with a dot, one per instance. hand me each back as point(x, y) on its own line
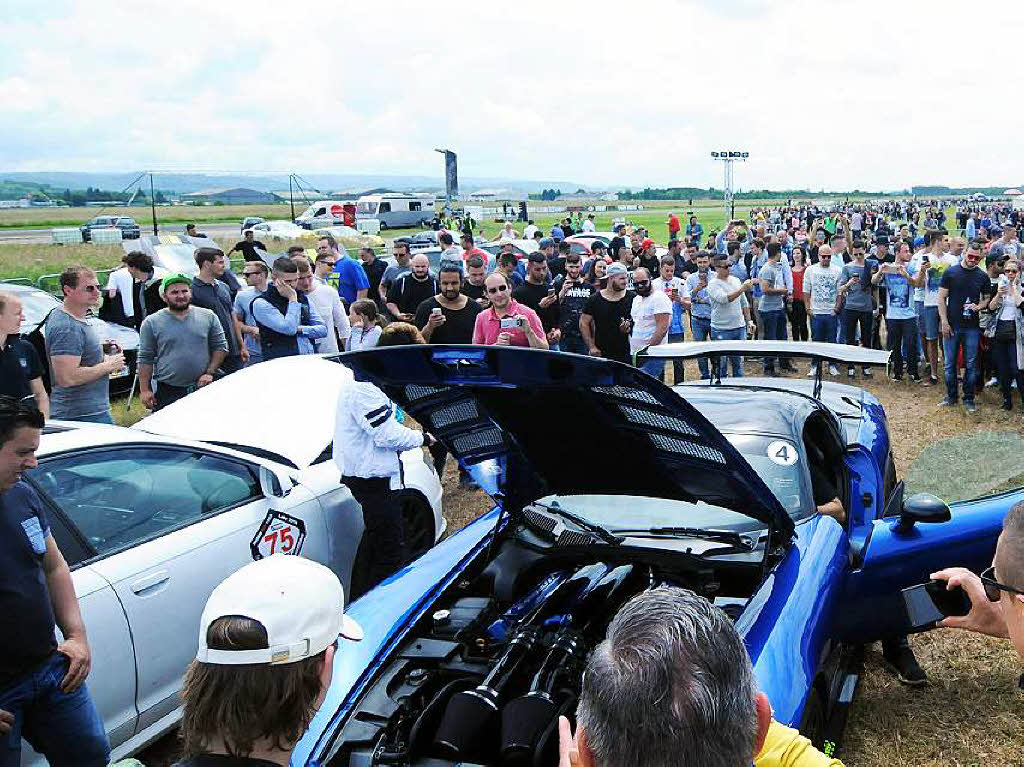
point(150, 581)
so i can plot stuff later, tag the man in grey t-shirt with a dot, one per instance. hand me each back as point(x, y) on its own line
point(180, 347)
point(79, 370)
point(858, 306)
point(772, 304)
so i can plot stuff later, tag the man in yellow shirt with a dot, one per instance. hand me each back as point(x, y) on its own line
point(672, 684)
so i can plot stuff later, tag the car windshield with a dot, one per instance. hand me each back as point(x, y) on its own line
point(366, 208)
point(783, 473)
point(179, 257)
point(35, 305)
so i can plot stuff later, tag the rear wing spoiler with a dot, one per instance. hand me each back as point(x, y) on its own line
point(819, 353)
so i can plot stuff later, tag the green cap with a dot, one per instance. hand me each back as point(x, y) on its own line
point(172, 279)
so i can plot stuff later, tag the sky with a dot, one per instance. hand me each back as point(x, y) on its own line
point(823, 95)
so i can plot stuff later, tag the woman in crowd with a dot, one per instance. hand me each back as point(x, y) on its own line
point(798, 311)
point(365, 325)
point(1008, 336)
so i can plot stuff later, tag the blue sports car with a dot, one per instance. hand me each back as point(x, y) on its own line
point(607, 482)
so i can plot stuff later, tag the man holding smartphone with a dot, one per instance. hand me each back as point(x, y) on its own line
point(448, 317)
point(507, 322)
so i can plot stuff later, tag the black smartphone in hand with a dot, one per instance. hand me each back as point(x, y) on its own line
point(928, 603)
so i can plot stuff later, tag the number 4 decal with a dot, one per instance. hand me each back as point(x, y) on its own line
point(279, 533)
point(782, 453)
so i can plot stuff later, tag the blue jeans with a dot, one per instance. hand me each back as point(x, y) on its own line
point(63, 727)
point(701, 330)
point(98, 418)
point(823, 328)
point(653, 367)
point(968, 338)
point(733, 334)
point(773, 328)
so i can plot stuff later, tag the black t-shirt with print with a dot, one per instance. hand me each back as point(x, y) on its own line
point(571, 306)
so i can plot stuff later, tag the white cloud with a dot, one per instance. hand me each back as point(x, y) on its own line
point(830, 94)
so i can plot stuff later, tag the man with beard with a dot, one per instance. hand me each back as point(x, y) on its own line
point(180, 347)
point(650, 313)
point(449, 317)
point(541, 296)
point(573, 294)
point(413, 289)
point(605, 323)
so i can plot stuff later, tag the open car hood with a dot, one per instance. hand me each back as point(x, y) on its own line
point(563, 424)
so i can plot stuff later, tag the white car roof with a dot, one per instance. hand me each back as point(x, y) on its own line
point(283, 407)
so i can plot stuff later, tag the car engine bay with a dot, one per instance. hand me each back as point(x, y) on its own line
point(485, 674)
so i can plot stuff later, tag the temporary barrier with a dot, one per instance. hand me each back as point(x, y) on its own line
point(368, 225)
point(105, 236)
point(67, 236)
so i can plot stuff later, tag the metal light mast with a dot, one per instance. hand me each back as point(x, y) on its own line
point(728, 158)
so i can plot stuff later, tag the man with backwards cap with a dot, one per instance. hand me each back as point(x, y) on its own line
point(267, 640)
point(180, 347)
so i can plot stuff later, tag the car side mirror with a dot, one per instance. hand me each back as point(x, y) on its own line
point(922, 507)
point(273, 486)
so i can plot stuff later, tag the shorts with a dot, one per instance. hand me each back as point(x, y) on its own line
point(930, 322)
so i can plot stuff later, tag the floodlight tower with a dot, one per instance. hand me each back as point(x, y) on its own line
point(728, 158)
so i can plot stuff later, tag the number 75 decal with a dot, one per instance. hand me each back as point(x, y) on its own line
point(279, 533)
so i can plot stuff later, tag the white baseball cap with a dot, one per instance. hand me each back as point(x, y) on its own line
point(299, 602)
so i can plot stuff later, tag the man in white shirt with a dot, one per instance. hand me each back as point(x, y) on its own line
point(730, 313)
point(821, 288)
point(651, 313)
point(327, 303)
point(678, 293)
point(588, 225)
point(529, 230)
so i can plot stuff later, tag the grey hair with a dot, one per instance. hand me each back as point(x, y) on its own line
point(671, 684)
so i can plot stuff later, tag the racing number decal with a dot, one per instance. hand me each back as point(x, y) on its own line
point(782, 453)
point(279, 533)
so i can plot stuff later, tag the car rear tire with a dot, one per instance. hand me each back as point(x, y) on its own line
point(418, 523)
point(383, 226)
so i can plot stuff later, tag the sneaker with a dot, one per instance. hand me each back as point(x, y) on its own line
point(905, 666)
point(970, 407)
point(866, 372)
point(992, 382)
point(915, 378)
point(833, 370)
point(947, 402)
point(812, 372)
point(850, 373)
point(896, 378)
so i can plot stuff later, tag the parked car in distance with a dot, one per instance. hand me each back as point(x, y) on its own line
point(251, 221)
point(129, 229)
point(36, 307)
point(151, 518)
point(350, 238)
point(277, 230)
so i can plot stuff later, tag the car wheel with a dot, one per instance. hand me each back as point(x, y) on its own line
point(383, 226)
point(812, 725)
point(418, 523)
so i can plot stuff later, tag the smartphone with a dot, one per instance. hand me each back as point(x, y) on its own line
point(436, 311)
point(928, 603)
point(510, 323)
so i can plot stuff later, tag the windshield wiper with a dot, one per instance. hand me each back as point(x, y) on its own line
point(603, 533)
point(742, 542)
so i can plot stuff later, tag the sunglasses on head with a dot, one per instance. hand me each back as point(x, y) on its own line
point(498, 289)
point(993, 587)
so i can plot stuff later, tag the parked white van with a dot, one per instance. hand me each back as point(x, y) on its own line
point(396, 210)
point(328, 213)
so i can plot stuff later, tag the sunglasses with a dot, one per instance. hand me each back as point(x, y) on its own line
point(250, 274)
point(993, 587)
point(499, 289)
point(641, 283)
point(1010, 270)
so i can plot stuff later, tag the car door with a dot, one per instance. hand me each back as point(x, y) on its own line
point(168, 523)
point(112, 678)
point(896, 556)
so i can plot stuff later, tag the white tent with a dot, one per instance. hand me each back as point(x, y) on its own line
point(1015, 192)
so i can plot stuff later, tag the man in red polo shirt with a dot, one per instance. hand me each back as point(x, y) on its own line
point(507, 322)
